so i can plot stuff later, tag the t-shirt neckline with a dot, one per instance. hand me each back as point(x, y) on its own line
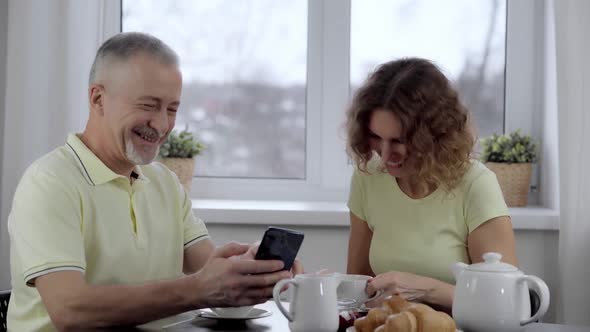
point(407, 198)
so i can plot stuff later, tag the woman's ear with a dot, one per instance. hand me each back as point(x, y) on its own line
point(96, 98)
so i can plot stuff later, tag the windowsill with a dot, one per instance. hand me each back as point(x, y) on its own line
point(335, 214)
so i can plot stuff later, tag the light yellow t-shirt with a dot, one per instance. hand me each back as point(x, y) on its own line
point(71, 212)
point(423, 236)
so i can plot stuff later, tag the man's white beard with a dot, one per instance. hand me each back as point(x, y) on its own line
point(135, 157)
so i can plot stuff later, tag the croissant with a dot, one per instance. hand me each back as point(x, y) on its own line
point(362, 325)
point(375, 318)
point(419, 310)
point(397, 304)
point(404, 321)
point(403, 316)
point(437, 321)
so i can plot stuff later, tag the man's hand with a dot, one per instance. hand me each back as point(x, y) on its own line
point(296, 269)
point(225, 281)
point(252, 250)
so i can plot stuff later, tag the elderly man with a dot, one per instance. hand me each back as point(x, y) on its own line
point(100, 236)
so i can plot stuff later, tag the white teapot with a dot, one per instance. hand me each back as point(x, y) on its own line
point(494, 296)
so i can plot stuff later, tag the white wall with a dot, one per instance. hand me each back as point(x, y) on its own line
point(549, 149)
point(572, 51)
point(3, 47)
point(326, 247)
point(49, 48)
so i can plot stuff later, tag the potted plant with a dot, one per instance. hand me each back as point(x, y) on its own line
point(510, 156)
point(178, 152)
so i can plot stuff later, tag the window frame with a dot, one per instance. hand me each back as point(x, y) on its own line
point(327, 167)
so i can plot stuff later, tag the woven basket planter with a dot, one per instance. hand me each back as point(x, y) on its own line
point(515, 180)
point(184, 169)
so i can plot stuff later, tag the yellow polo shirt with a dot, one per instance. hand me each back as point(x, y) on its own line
point(71, 212)
point(423, 236)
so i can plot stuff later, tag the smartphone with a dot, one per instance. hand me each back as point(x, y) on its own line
point(281, 244)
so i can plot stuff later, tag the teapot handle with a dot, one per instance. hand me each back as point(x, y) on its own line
point(541, 288)
point(276, 294)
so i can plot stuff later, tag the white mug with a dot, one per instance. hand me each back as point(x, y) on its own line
point(353, 289)
point(314, 303)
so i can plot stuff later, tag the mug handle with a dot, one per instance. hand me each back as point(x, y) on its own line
point(377, 294)
point(541, 288)
point(276, 294)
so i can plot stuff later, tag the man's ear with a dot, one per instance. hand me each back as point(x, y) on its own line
point(96, 98)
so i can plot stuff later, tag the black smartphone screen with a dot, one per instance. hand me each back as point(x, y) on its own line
point(281, 244)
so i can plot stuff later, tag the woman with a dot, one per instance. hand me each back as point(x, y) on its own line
point(418, 203)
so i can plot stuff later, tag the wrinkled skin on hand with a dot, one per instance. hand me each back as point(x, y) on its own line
point(229, 281)
point(296, 269)
point(410, 286)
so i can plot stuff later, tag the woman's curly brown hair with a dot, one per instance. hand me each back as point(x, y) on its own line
point(435, 124)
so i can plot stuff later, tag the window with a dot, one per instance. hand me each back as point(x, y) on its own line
point(267, 81)
point(466, 39)
point(244, 70)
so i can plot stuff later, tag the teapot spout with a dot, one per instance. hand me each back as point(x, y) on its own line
point(457, 268)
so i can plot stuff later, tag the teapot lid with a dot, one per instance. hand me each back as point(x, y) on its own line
point(492, 263)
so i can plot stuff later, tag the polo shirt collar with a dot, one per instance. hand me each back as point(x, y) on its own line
point(95, 171)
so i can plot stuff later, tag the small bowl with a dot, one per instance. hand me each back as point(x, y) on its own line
point(233, 312)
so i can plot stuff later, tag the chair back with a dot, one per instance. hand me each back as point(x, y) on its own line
point(4, 298)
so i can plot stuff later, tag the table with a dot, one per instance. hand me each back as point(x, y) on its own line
point(189, 322)
point(556, 328)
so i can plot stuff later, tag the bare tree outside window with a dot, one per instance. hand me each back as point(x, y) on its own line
point(244, 66)
point(465, 38)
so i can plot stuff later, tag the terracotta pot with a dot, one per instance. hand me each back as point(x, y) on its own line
point(515, 180)
point(184, 169)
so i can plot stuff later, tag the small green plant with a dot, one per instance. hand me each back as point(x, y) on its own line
point(509, 148)
point(181, 145)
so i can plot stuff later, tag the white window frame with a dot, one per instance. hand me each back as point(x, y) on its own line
point(528, 76)
point(327, 95)
point(327, 167)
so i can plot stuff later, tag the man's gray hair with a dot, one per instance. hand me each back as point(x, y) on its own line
point(125, 45)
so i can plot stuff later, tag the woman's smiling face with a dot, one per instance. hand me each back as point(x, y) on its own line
point(386, 139)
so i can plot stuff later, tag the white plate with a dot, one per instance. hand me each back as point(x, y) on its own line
point(352, 329)
point(253, 314)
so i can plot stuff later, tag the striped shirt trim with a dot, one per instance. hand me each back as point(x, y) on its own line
point(196, 240)
point(30, 278)
point(81, 163)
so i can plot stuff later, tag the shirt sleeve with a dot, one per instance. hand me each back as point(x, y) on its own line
point(357, 198)
point(194, 228)
point(484, 201)
point(45, 227)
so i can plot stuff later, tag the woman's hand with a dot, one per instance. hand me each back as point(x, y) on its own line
point(412, 288)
